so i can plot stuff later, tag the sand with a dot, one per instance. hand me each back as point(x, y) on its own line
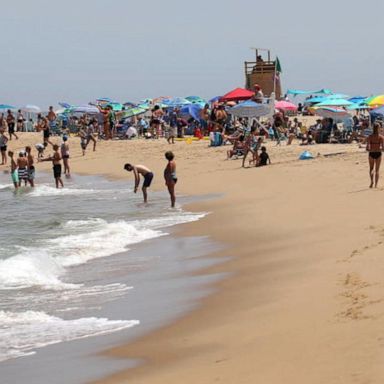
point(302, 301)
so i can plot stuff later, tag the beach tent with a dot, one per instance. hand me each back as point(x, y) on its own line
point(296, 92)
point(237, 94)
point(285, 106)
point(250, 109)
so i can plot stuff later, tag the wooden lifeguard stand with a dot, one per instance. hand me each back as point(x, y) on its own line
point(263, 72)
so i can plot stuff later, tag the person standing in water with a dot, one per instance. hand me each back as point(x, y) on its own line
point(375, 146)
point(170, 176)
point(14, 173)
point(147, 175)
point(64, 149)
point(56, 161)
point(31, 166)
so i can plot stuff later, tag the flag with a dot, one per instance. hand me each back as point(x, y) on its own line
point(278, 65)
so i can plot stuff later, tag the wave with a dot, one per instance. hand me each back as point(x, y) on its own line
point(46, 190)
point(23, 332)
point(95, 238)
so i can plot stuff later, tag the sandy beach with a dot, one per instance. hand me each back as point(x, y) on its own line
point(302, 301)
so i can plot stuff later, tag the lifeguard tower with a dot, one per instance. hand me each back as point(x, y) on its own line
point(264, 72)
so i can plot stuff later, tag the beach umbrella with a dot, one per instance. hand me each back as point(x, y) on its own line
point(377, 112)
point(129, 104)
point(31, 109)
point(329, 112)
point(316, 99)
point(6, 106)
point(196, 100)
point(192, 110)
point(65, 105)
point(334, 102)
point(375, 101)
point(215, 99)
point(285, 106)
point(250, 109)
point(89, 109)
point(134, 111)
point(177, 102)
point(237, 94)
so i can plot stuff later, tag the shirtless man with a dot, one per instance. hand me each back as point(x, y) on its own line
point(14, 174)
point(31, 166)
point(375, 146)
point(51, 118)
point(11, 124)
point(22, 165)
point(143, 171)
point(56, 161)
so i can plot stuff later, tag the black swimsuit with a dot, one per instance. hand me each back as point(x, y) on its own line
point(375, 155)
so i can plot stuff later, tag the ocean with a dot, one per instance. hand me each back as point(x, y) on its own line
point(66, 256)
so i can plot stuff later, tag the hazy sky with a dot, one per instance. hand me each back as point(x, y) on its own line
point(77, 51)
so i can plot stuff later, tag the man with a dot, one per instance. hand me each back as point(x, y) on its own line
point(143, 171)
point(51, 118)
point(11, 124)
point(259, 96)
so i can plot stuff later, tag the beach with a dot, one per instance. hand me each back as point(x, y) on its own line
point(301, 300)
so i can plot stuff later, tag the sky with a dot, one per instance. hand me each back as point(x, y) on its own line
point(77, 51)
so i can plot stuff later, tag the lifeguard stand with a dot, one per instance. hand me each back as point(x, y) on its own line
point(263, 72)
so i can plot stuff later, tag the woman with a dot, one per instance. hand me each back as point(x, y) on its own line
point(170, 176)
point(375, 145)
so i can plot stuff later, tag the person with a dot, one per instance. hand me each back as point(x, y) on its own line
point(51, 119)
point(204, 117)
point(156, 120)
point(20, 121)
point(64, 149)
point(263, 158)
point(173, 116)
point(43, 125)
point(142, 126)
point(375, 145)
point(3, 146)
point(90, 133)
point(83, 140)
point(147, 175)
point(40, 147)
point(22, 168)
point(170, 176)
point(31, 166)
point(238, 148)
point(56, 161)
point(259, 96)
point(14, 173)
point(11, 125)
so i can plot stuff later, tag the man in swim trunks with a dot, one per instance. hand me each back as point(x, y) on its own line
point(56, 161)
point(11, 124)
point(22, 164)
point(143, 171)
point(31, 166)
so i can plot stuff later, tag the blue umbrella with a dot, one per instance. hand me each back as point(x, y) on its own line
point(334, 102)
point(177, 102)
point(192, 110)
point(6, 106)
point(215, 99)
point(377, 112)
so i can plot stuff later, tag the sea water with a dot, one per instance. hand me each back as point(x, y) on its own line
point(50, 242)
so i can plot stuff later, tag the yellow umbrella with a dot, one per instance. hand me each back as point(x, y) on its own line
point(375, 101)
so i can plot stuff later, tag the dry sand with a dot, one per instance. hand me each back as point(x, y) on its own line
point(303, 302)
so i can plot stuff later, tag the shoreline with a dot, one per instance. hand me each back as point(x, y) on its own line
point(301, 303)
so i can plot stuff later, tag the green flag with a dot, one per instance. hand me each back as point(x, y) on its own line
point(278, 65)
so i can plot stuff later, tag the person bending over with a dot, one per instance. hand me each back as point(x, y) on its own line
point(147, 175)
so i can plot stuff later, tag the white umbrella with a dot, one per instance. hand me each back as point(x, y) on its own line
point(250, 109)
point(31, 108)
point(91, 109)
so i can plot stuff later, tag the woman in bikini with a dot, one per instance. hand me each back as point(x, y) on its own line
point(170, 176)
point(375, 146)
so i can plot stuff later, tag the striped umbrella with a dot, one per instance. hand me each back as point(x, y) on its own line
point(375, 101)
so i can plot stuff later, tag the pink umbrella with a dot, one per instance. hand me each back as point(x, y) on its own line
point(285, 106)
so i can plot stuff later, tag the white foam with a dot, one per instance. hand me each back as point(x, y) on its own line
point(21, 333)
point(46, 190)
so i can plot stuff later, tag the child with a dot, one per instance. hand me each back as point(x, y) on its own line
point(64, 149)
point(56, 161)
point(40, 149)
point(143, 171)
point(14, 173)
point(170, 176)
point(83, 141)
point(263, 158)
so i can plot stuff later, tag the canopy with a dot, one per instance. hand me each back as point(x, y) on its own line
point(237, 94)
point(296, 92)
point(250, 109)
point(285, 106)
